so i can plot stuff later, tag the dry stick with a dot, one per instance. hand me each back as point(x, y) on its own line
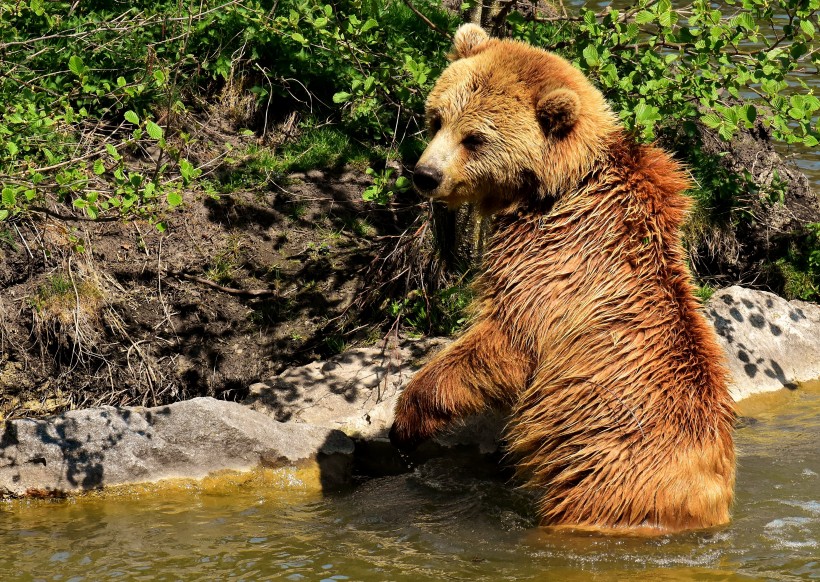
point(229, 290)
point(77, 344)
point(162, 302)
point(270, 96)
point(25, 244)
point(426, 20)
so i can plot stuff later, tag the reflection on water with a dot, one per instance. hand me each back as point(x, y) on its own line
point(448, 519)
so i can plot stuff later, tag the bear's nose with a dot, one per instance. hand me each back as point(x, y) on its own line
point(426, 178)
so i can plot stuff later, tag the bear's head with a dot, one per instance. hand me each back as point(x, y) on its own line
point(509, 124)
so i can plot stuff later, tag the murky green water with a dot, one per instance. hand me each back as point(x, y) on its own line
point(447, 520)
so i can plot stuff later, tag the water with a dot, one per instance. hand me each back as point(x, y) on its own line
point(453, 519)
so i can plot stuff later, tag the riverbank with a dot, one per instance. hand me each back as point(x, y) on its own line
point(323, 418)
point(238, 288)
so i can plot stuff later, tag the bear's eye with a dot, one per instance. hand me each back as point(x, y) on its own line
point(435, 124)
point(473, 141)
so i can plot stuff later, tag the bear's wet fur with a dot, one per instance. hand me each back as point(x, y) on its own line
point(587, 329)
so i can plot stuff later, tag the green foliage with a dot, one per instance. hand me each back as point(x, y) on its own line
point(96, 97)
point(440, 313)
point(799, 270)
point(725, 65)
point(82, 91)
point(384, 187)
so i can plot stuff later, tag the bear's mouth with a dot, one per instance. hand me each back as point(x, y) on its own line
point(453, 197)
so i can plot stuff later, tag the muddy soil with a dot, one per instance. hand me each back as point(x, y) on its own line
point(239, 287)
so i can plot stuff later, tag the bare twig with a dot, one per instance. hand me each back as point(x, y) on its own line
point(229, 290)
point(426, 20)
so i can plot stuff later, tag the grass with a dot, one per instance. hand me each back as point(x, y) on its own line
point(704, 292)
point(316, 148)
point(797, 283)
point(7, 238)
point(326, 148)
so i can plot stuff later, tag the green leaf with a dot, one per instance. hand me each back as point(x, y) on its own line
point(748, 113)
point(591, 55)
point(99, 167)
point(174, 199)
point(371, 23)
point(4, 214)
point(154, 130)
point(810, 141)
point(667, 19)
point(159, 77)
point(132, 117)
point(75, 65)
point(646, 114)
point(726, 131)
point(744, 20)
point(797, 113)
point(807, 27)
point(711, 120)
point(299, 38)
point(341, 97)
point(121, 82)
point(644, 17)
point(9, 197)
point(12, 148)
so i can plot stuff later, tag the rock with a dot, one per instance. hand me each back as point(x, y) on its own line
point(354, 391)
point(770, 343)
point(93, 448)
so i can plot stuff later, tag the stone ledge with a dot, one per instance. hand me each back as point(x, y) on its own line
point(100, 447)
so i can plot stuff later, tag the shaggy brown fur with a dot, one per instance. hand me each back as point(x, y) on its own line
point(587, 328)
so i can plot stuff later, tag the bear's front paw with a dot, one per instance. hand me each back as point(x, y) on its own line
point(403, 439)
point(416, 421)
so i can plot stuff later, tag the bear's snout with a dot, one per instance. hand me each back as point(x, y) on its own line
point(427, 178)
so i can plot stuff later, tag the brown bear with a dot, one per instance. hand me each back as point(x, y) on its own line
point(586, 328)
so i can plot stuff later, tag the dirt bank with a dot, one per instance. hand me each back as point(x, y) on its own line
point(239, 287)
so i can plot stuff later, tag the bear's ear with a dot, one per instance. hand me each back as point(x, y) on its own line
point(467, 39)
point(558, 111)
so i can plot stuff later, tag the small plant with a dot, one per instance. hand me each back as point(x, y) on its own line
point(704, 292)
point(335, 343)
point(384, 187)
point(797, 283)
point(7, 238)
point(56, 286)
point(297, 209)
point(442, 313)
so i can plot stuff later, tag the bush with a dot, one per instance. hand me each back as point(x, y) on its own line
point(97, 96)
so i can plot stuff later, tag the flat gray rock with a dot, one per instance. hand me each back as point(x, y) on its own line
point(93, 448)
point(770, 343)
point(354, 391)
